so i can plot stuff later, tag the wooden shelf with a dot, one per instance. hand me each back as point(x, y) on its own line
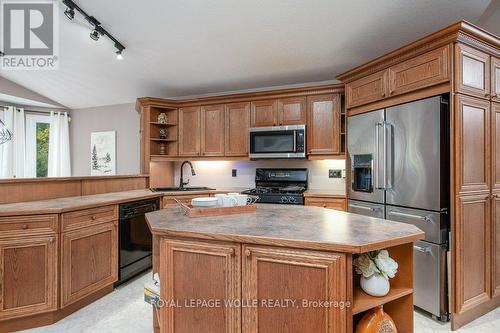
point(363, 301)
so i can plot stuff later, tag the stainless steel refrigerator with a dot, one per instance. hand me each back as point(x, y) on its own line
point(399, 170)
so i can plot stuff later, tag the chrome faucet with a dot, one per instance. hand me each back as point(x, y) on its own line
point(182, 183)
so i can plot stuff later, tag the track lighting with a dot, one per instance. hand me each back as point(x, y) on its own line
point(97, 29)
point(70, 13)
point(2, 54)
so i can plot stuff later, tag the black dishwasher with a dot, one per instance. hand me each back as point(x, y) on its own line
point(135, 239)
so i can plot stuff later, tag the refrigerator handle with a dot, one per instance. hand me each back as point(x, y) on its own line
point(377, 155)
point(384, 138)
point(388, 160)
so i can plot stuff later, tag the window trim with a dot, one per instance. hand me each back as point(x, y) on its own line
point(31, 121)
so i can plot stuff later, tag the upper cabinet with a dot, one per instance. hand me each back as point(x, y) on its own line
point(292, 111)
point(189, 131)
point(212, 130)
point(428, 69)
point(495, 146)
point(472, 76)
point(495, 79)
point(236, 129)
point(323, 132)
point(368, 89)
point(264, 113)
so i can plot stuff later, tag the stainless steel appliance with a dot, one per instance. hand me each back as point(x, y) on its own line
point(399, 170)
point(285, 186)
point(278, 142)
point(135, 240)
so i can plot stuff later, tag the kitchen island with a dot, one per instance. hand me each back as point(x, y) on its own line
point(281, 269)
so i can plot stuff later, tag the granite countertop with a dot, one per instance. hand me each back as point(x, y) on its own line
point(304, 227)
point(217, 190)
point(60, 205)
point(324, 193)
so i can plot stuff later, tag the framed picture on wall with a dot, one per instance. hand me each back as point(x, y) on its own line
point(103, 153)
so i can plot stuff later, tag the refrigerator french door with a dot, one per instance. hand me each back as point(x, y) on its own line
point(399, 170)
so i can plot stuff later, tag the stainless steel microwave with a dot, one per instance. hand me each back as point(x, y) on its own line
point(278, 142)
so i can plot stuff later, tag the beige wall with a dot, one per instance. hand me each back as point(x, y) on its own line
point(121, 118)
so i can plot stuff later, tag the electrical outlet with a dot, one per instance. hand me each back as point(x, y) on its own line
point(234, 172)
point(334, 173)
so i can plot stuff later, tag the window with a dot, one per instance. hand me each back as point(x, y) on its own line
point(37, 144)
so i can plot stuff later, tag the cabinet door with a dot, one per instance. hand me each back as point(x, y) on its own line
point(368, 89)
point(472, 240)
point(495, 79)
point(292, 111)
point(423, 71)
point(28, 276)
point(202, 271)
point(189, 131)
point(495, 146)
point(495, 249)
point(237, 125)
point(212, 130)
point(472, 75)
point(472, 137)
point(89, 261)
point(264, 113)
point(323, 133)
point(280, 274)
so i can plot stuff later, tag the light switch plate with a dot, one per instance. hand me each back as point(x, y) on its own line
point(234, 172)
point(334, 173)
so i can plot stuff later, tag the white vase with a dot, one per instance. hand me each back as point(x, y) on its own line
point(375, 285)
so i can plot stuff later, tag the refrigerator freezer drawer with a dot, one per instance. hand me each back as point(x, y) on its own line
point(366, 208)
point(429, 278)
point(435, 225)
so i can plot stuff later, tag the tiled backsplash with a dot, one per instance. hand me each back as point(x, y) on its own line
point(218, 173)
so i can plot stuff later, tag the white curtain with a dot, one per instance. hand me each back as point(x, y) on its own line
point(13, 152)
point(59, 158)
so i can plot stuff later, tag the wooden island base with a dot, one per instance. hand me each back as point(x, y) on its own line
point(306, 286)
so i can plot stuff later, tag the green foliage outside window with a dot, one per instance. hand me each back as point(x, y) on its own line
point(42, 149)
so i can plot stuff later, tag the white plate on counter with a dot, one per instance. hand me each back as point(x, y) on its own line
point(204, 202)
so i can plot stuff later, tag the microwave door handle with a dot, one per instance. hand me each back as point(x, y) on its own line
point(294, 141)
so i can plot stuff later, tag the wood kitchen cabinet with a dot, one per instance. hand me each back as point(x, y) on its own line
point(495, 79)
point(28, 275)
point(473, 240)
point(368, 89)
point(292, 111)
point(473, 144)
point(280, 273)
point(495, 146)
point(326, 202)
point(495, 249)
point(323, 120)
point(472, 75)
point(264, 113)
point(189, 131)
point(212, 130)
point(200, 271)
point(89, 260)
point(237, 123)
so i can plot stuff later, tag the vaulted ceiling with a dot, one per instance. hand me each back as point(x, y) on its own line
point(192, 47)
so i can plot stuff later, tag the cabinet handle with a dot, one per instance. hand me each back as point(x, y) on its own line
point(382, 94)
point(486, 95)
point(496, 196)
point(51, 241)
point(248, 253)
point(231, 251)
point(93, 217)
point(25, 226)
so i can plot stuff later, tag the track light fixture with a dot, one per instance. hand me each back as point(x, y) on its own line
point(2, 54)
point(97, 30)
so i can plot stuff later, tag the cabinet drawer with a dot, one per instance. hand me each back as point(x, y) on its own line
point(423, 71)
point(169, 201)
point(368, 89)
point(86, 217)
point(19, 225)
point(332, 203)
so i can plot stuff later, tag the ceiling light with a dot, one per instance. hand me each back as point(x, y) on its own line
point(70, 13)
point(94, 34)
point(119, 55)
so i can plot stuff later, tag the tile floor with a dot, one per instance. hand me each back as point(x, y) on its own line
point(124, 311)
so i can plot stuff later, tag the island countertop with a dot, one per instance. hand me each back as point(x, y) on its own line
point(305, 227)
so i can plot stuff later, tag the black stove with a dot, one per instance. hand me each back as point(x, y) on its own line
point(285, 186)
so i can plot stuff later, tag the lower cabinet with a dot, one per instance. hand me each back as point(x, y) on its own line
point(332, 203)
point(89, 261)
point(495, 253)
point(28, 275)
point(303, 276)
point(255, 281)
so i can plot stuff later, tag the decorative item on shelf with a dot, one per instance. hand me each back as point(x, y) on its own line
point(375, 267)
point(163, 133)
point(163, 149)
point(376, 321)
point(162, 118)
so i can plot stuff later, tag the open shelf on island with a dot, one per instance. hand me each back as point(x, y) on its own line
point(362, 301)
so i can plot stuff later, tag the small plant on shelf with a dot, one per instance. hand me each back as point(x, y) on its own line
point(375, 267)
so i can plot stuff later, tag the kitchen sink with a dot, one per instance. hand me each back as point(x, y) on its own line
point(177, 188)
